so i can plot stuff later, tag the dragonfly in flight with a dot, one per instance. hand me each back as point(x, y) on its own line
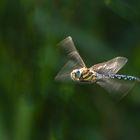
point(104, 74)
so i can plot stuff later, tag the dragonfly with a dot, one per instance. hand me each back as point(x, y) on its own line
point(103, 74)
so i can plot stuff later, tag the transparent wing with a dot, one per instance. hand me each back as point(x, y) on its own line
point(110, 67)
point(64, 73)
point(75, 60)
point(117, 88)
point(68, 45)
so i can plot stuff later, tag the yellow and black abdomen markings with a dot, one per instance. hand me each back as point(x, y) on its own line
point(87, 76)
point(125, 77)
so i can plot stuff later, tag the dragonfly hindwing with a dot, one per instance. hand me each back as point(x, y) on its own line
point(116, 87)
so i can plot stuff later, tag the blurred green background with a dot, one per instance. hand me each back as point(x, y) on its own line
point(35, 107)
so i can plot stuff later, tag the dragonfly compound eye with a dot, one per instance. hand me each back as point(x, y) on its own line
point(77, 74)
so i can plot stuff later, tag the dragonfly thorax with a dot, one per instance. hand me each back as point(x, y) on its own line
point(83, 75)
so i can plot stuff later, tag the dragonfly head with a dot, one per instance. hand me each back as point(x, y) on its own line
point(76, 74)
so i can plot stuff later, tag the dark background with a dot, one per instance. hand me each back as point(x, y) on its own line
point(35, 107)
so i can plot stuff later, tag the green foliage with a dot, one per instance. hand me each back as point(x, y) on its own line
point(35, 107)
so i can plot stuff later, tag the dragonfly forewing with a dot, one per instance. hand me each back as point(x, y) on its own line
point(110, 67)
point(75, 61)
point(72, 53)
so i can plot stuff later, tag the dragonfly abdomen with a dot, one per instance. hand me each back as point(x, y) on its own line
point(125, 77)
